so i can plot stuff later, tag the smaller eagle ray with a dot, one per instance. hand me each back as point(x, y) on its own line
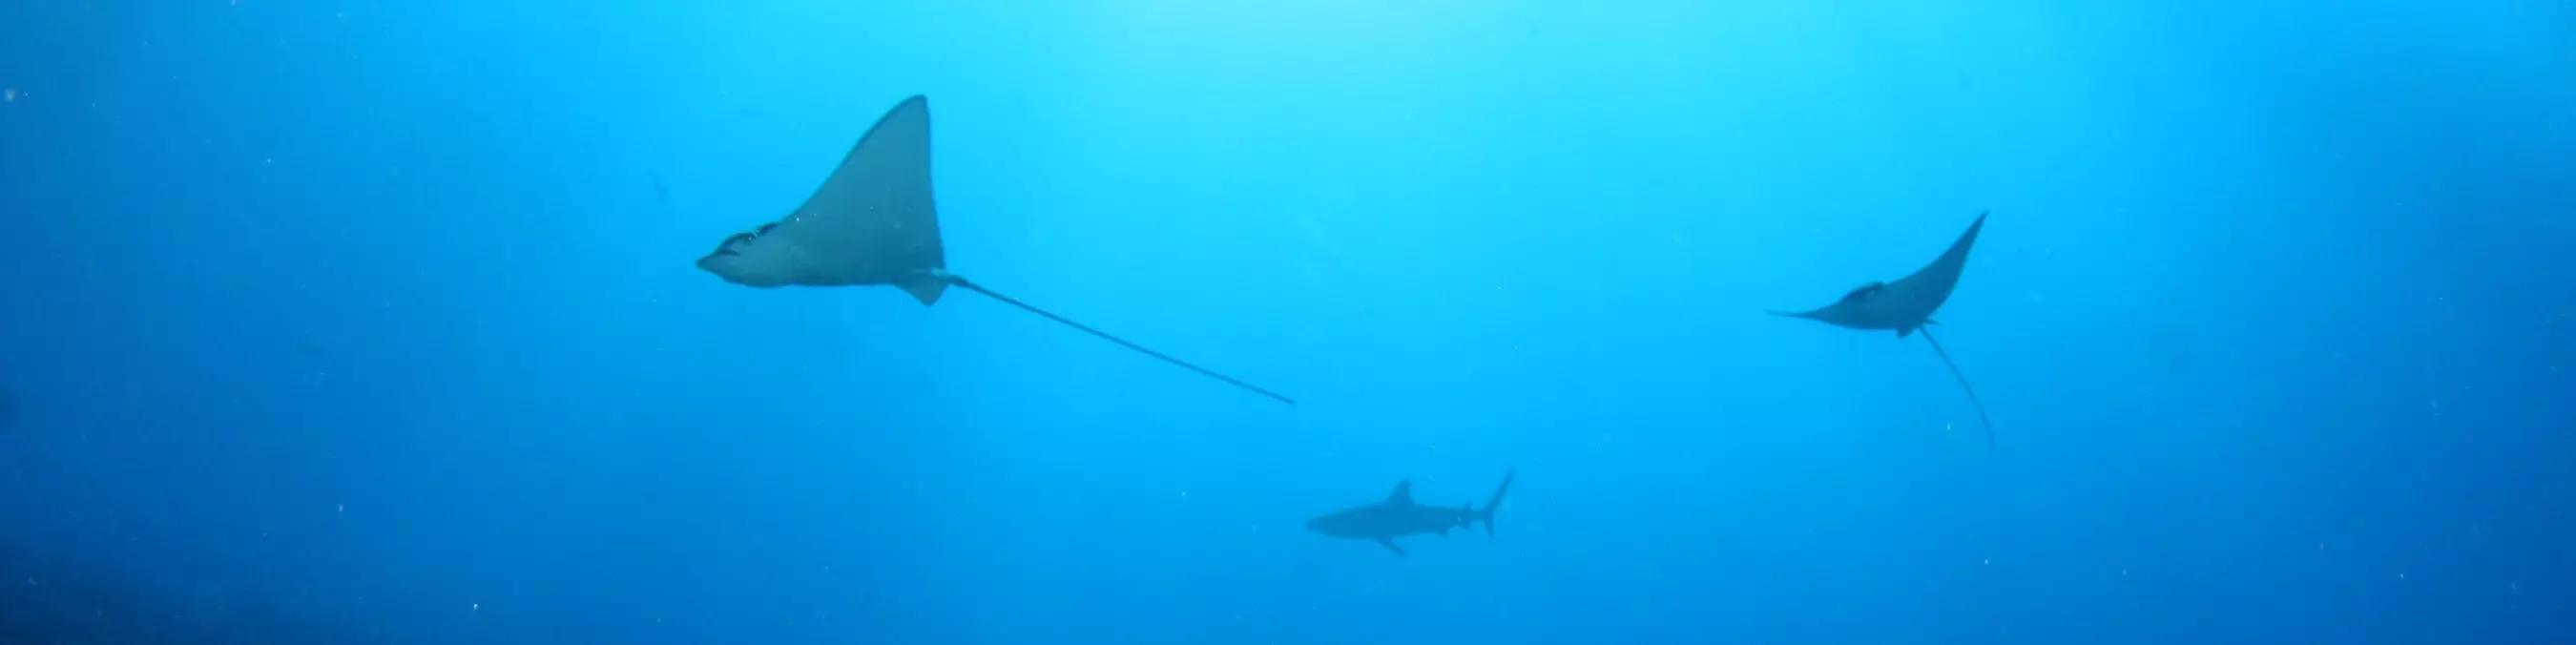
point(873, 223)
point(1906, 306)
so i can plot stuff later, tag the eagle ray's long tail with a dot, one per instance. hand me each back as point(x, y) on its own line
point(1963, 384)
point(962, 282)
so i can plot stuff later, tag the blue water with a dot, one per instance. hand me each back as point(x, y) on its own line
point(374, 322)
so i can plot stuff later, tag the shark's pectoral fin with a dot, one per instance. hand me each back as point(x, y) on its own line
point(1389, 543)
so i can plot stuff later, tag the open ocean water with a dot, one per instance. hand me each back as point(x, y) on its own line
point(377, 322)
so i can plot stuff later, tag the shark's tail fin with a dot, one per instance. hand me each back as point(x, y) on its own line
point(1497, 502)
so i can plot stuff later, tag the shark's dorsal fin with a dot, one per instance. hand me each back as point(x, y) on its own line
point(1403, 495)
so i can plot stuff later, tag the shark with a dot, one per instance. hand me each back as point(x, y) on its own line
point(873, 223)
point(1398, 516)
point(1906, 307)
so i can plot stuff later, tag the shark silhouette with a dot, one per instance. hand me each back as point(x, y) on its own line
point(873, 223)
point(1906, 306)
point(1398, 516)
